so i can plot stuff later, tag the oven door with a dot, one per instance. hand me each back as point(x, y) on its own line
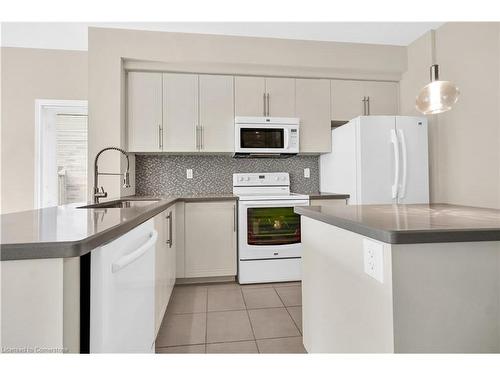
point(252, 138)
point(269, 229)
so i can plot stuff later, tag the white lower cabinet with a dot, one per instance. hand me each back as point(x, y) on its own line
point(165, 265)
point(210, 239)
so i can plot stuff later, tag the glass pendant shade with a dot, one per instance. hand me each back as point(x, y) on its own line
point(438, 96)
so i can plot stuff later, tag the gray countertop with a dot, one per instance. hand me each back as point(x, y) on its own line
point(406, 224)
point(69, 231)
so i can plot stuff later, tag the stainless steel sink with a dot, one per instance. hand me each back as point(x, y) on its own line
point(122, 204)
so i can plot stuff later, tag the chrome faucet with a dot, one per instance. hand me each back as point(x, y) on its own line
point(100, 193)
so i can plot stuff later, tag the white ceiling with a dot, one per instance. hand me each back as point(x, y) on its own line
point(73, 36)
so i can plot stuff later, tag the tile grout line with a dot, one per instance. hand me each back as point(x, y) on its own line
point(246, 308)
point(286, 308)
point(249, 320)
point(234, 341)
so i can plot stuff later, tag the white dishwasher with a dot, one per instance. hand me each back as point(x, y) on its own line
point(122, 293)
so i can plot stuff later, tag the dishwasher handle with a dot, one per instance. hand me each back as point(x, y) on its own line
point(125, 260)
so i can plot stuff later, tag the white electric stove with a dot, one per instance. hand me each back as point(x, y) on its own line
point(269, 236)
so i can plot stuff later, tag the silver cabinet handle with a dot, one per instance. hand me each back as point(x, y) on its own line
point(235, 215)
point(169, 241)
point(202, 136)
point(159, 136)
point(364, 105)
point(264, 103)
point(368, 105)
point(197, 137)
point(268, 106)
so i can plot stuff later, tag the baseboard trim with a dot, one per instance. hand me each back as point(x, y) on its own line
point(204, 280)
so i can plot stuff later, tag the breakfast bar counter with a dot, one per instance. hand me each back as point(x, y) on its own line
point(75, 229)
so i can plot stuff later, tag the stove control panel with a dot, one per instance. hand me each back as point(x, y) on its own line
point(261, 179)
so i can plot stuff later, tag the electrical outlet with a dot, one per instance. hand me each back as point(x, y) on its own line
point(374, 259)
point(307, 173)
point(189, 173)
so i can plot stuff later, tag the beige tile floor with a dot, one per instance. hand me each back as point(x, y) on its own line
point(233, 318)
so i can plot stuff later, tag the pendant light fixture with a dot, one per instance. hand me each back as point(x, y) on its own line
point(438, 96)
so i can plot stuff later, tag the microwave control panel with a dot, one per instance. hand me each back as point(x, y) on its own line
point(294, 138)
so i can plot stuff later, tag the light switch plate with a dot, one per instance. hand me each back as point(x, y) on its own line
point(307, 173)
point(189, 173)
point(373, 252)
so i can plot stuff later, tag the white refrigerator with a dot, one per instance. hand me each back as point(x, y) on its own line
point(378, 160)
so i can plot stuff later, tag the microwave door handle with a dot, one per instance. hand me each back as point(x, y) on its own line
point(285, 135)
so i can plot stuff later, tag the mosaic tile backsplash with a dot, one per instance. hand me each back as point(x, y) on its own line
point(166, 174)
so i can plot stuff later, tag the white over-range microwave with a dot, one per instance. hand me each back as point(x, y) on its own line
point(266, 136)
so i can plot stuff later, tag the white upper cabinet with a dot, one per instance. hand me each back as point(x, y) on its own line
point(144, 111)
point(280, 97)
point(175, 112)
point(362, 98)
point(383, 98)
point(347, 99)
point(180, 112)
point(216, 125)
point(264, 96)
point(249, 96)
point(313, 109)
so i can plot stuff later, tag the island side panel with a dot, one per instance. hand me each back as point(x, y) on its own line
point(446, 297)
point(344, 309)
point(32, 305)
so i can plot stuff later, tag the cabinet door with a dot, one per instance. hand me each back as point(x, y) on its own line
point(144, 111)
point(281, 102)
point(161, 265)
point(313, 109)
point(383, 98)
point(180, 111)
point(249, 96)
point(347, 99)
point(210, 240)
point(216, 113)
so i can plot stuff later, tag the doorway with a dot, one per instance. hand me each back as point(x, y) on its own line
point(61, 145)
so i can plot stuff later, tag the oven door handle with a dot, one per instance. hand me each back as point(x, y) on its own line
point(285, 137)
point(276, 203)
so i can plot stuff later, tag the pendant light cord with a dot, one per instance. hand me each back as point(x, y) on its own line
point(434, 71)
point(433, 47)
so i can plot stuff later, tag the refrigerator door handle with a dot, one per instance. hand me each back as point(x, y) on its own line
point(395, 143)
point(402, 192)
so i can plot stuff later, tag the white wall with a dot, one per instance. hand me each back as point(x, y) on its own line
point(29, 74)
point(464, 142)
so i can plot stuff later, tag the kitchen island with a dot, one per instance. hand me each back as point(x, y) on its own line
point(58, 264)
point(401, 278)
